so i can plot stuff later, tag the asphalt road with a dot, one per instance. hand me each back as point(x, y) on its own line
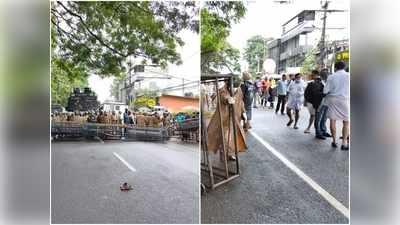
point(268, 191)
point(86, 177)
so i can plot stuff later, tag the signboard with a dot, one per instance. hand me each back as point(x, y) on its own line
point(144, 101)
point(342, 56)
point(151, 103)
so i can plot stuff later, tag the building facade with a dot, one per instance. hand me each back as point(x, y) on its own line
point(176, 104)
point(154, 79)
point(302, 33)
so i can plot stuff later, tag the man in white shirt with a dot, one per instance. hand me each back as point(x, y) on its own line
point(295, 100)
point(337, 99)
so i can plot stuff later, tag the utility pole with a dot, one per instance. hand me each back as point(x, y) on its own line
point(183, 87)
point(322, 42)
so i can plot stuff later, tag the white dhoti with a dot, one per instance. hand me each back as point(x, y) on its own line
point(338, 108)
point(295, 103)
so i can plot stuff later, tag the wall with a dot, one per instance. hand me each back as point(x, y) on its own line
point(177, 103)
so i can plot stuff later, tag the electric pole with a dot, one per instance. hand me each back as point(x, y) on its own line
point(322, 42)
point(183, 87)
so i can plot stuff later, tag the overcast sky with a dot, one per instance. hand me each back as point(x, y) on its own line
point(190, 69)
point(263, 17)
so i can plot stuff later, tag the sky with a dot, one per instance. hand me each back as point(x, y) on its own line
point(189, 69)
point(265, 18)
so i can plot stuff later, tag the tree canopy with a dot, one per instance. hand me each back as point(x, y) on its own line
point(255, 53)
point(101, 37)
point(217, 17)
point(64, 78)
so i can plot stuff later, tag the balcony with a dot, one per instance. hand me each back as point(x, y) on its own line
point(301, 28)
point(294, 52)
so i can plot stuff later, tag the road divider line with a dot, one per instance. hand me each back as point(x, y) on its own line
point(124, 162)
point(335, 203)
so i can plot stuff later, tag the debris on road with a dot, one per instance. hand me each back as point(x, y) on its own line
point(125, 187)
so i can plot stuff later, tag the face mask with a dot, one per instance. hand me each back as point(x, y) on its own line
point(297, 81)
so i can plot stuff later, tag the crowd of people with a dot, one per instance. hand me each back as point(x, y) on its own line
point(139, 119)
point(325, 97)
point(130, 118)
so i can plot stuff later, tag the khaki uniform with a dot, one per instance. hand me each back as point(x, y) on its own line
point(214, 136)
point(147, 121)
point(140, 120)
point(155, 122)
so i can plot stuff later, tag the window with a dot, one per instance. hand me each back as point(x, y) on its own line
point(117, 107)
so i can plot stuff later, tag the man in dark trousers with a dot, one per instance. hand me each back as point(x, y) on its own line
point(248, 91)
point(313, 96)
point(320, 115)
point(281, 89)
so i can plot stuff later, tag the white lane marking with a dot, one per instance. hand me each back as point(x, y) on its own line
point(124, 162)
point(335, 203)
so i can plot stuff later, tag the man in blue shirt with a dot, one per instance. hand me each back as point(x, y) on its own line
point(281, 91)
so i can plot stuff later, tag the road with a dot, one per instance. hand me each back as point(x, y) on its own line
point(86, 177)
point(270, 191)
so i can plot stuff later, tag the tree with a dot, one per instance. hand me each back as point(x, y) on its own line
point(310, 62)
point(228, 56)
point(217, 17)
point(255, 53)
point(63, 79)
point(103, 35)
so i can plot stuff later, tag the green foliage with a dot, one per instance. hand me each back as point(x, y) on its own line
point(309, 63)
point(100, 36)
point(227, 56)
point(64, 78)
point(255, 53)
point(217, 17)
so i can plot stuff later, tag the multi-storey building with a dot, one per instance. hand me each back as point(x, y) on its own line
point(302, 33)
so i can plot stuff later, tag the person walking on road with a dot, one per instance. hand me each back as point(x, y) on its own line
point(264, 90)
point(313, 96)
point(248, 91)
point(295, 100)
point(271, 93)
point(321, 131)
point(281, 90)
point(337, 100)
point(257, 92)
